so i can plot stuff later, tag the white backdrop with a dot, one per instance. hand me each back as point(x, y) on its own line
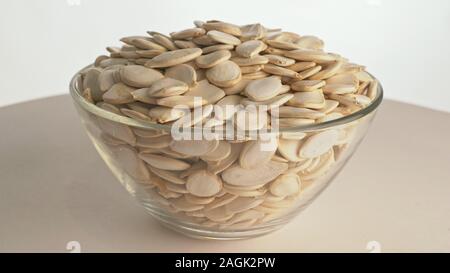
point(404, 43)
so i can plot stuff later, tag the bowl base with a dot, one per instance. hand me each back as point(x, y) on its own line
point(206, 234)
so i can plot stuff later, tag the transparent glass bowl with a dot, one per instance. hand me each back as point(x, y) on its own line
point(234, 212)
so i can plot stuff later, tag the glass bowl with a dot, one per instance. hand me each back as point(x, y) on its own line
point(237, 203)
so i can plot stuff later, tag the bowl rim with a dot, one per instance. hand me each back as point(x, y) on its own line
point(75, 93)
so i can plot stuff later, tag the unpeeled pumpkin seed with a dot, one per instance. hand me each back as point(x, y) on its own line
point(223, 38)
point(310, 56)
point(251, 69)
point(119, 93)
point(279, 60)
point(236, 175)
point(187, 34)
point(250, 48)
point(194, 147)
point(338, 88)
point(212, 59)
point(139, 76)
point(174, 57)
point(166, 87)
point(207, 92)
point(222, 151)
point(296, 112)
point(285, 185)
point(164, 163)
point(203, 184)
point(257, 152)
point(91, 81)
point(176, 101)
point(314, 99)
point(300, 66)
point(318, 144)
point(165, 114)
point(184, 44)
point(241, 204)
point(106, 80)
point(272, 103)
point(255, 60)
point(223, 27)
point(132, 164)
point(307, 85)
point(263, 89)
point(224, 74)
point(184, 73)
point(280, 71)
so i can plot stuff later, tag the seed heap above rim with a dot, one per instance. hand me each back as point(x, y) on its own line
point(161, 70)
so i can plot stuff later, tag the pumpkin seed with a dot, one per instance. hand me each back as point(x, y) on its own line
point(309, 72)
point(184, 73)
point(313, 99)
point(280, 71)
point(318, 144)
point(119, 93)
point(295, 112)
point(135, 114)
point(328, 72)
point(164, 41)
point(339, 88)
point(255, 60)
point(223, 38)
point(310, 42)
point(310, 56)
point(225, 74)
point(289, 149)
point(228, 161)
point(236, 175)
point(184, 44)
point(223, 27)
point(222, 151)
point(139, 76)
point(257, 152)
point(106, 80)
point(252, 32)
point(241, 204)
point(279, 60)
point(130, 162)
point(300, 66)
point(194, 147)
point(187, 33)
point(165, 87)
point(285, 185)
point(164, 163)
point(283, 45)
point(181, 204)
point(307, 85)
point(263, 89)
point(165, 114)
point(250, 48)
point(270, 104)
point(203, 184)
point(251, 69)
point(91, 81)
point(212, 59)
point(174, 57)
point(158, 142)
point(208, 92)
point(218, 214)
point(177, 101)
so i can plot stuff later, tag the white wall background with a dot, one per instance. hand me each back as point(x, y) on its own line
point(405, 43)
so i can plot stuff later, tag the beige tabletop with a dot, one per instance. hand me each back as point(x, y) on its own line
point(394, 194)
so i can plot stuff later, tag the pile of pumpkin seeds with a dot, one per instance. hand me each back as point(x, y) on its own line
point(226, 183)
